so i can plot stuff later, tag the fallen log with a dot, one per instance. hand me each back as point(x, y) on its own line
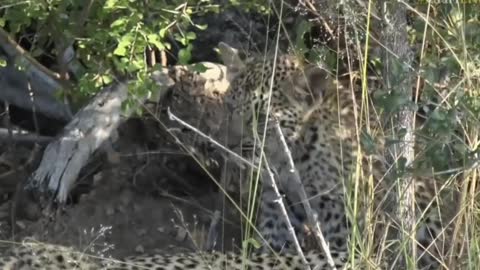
point(32, 93)
point(33, 87)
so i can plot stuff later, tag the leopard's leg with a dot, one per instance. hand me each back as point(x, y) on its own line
point(273, 224)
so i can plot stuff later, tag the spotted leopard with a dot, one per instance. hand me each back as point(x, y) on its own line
point(319, 117)
point(41, 256)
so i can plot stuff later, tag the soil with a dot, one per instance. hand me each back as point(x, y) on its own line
point(149, 197)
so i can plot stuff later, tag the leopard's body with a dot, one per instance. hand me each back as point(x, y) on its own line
point(40, 256)
point(318, 119)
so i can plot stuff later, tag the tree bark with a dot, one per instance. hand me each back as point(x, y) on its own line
point(399, 78)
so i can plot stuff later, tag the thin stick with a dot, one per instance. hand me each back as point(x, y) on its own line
point(212, 231)
point(173, 117)
point(312, 218)
point(17, 135)
point(278, 198)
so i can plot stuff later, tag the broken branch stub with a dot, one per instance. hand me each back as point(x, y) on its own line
point(91, 126)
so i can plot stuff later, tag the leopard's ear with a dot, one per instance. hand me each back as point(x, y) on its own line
point(231, 59)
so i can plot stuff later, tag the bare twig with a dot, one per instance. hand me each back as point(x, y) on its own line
point(312, 217)
point(212, 231)
point(23, 136)
point(173, 117)
point(13, 50)
point(278, 198)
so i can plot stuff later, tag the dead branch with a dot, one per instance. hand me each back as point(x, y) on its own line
point(22, 136)
point(279, 200)
point(311, 216)
point(213, 231)
point(15, 51)
point(239, 159)
point(33, 87)
point(270, 177)
point(90, 127)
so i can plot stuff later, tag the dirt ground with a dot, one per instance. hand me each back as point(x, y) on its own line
point(151, 197)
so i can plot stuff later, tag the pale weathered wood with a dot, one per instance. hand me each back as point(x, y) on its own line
point(91, 126)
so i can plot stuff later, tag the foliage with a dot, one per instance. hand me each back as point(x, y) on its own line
point(448, 102)
point(112, 37)
point(451, 73)
point(260, 6)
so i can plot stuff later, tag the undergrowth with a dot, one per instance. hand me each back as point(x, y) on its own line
point(445, 40)
point(444, 98)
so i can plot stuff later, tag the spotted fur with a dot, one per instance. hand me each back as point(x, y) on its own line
point(41, 256)
point(319, 117)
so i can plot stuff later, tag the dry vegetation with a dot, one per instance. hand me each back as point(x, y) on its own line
point(164, 185)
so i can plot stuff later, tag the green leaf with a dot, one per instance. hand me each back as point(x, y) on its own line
point(152, 37)
point(181, 39)
point(200, 68)
point(155, 40)
point(252, 242)
point(368, 143)
point(190, 36)
point(120, 51)
point(163, 32)
point(159, 45)
point(122, 46)
point(302, 28)
point(391, 102)
point(201, 26)
point(106, 79)
point(119, 22)
point(401, 166)
point(110, 3)
point(184, 55)
point(438, 115)
point(402, 132)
